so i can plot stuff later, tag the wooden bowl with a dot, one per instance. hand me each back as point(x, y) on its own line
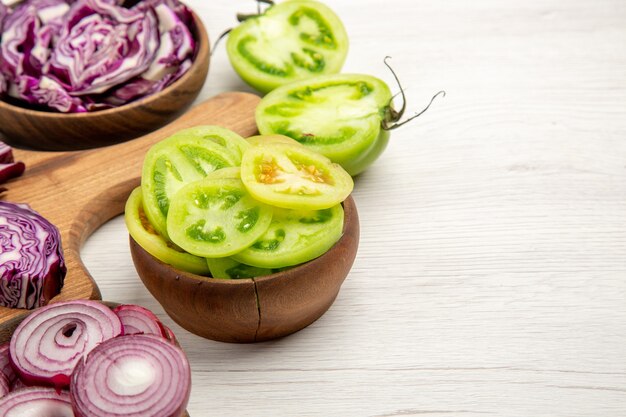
point(257, 309)
point(52, 131)
point(8, 327)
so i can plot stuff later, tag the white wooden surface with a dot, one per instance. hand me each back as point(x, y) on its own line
point(491, 276)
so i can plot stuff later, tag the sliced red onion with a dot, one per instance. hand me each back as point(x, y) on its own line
point(136, 375)
point(32, 267)
point(138, 320)
point(5, 385)
point(49, 343)
point(3, 13)
point(36, 402)
point(18, 384)
point(169, 334)
point(5, 364)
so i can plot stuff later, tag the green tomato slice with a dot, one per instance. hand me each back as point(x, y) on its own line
point(219, 135)
point(295, 237)
point(229, 172)
point(216, 217)
point(294, 177)
point(184, 157)
point(152, 242)
point(338, 116)
point(262, 140)
point(290, 41)
point(228, 268)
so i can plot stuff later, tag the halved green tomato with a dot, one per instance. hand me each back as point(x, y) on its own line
point(228, 268)
point(290, 41)
point(295, 177)
point(187, 156)
point(152, 242)
point(339, 116)
point(295, 237)
point(216, 217)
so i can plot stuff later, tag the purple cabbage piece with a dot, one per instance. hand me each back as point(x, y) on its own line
point(172, 59)
point(3, 13)
point(86, 55)
point(103, 45)
point(8, 167)
point(32, 267)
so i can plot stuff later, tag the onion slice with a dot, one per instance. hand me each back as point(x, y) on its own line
point(135, 375)
point(36, 402)
point(169, 334)
point(49, 343)
point(5, 364)
point(136, 319)
point(5, 385)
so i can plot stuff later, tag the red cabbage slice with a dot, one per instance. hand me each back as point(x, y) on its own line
point(172, 59)
point(74, 56)
point(32, 267)
point(102, 45)
point(8, 167)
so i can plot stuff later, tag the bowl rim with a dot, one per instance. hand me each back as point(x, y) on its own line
point(350, 212)
point(202, 53)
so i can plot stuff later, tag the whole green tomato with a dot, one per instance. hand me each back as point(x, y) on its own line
point(345, 117)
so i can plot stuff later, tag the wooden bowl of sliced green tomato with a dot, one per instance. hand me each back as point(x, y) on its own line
point(241, 240)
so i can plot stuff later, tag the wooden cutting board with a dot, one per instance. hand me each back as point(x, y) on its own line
point(79, 191)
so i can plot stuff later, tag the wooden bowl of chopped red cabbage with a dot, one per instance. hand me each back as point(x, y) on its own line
point(89, 73)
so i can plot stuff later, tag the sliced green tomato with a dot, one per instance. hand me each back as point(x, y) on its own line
point(216, 217)
point(290, 41)
point(229, 172)
point(338, 116)
point(180, 159)
point(149, 239)
point(265, 139)
point(228, 268)
point(221, 136)
point(294, 237)
point(295, 177)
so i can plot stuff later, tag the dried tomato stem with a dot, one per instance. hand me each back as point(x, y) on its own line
point(396, 115)
point(397, 125)
point(219, 39)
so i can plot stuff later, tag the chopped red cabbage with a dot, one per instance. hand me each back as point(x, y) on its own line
point(86, 55)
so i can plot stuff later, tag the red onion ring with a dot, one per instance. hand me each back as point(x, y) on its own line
point(49, 343)
point(5, 385)
point(132, 376)
point(36, 402)
point(5, 364)
point(136, 320)
point(169, 334)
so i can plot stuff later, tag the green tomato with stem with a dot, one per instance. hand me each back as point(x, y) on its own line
point(345, 117)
